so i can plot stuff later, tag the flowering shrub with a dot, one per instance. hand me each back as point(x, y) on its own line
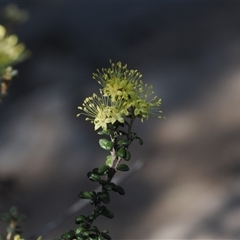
point(123, 98)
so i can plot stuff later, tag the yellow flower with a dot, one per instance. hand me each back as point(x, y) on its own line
point(118, 82)
point(123, 95)
point(145, 104)
point(10, 50)
point(101, 111)
point(17, 237)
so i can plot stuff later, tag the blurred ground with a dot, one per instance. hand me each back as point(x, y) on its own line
point(189, 187)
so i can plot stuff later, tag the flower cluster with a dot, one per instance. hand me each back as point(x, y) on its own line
point(11, 51)
point(123, 94)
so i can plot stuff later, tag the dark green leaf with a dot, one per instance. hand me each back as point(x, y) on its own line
point(66, 236)
point(85, 195)
point(94, 229)
point(79, 230)
point(139, 140)
point(107, 213)
point(123, 143)
point(101, 208)
point(127, 156)
point(106, 132)
point(121, 152)
point(120, 190)
point(5, 217)
point(105, 197)
point(92, 236)
point(106, 236)
point(94, 177)
point(100, 238)
point(80, 218)
point(85, 233)
point(18, 230)
point(83, 225)
point(105, 144)
point(91, 217)
point(107, 187)
point(122, 167)
point(102, 169)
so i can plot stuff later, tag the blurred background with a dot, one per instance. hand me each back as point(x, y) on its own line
point(189, 186)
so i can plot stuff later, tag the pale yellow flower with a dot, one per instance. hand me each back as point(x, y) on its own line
point(118, 82)
point(17, 237)
point(123, 95)
point(101, 111)
point(10, 50)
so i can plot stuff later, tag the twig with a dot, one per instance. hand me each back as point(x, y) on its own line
point(80, 204)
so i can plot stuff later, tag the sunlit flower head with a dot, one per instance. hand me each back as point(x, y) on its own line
point(10, 50)
point(101, 111)
point(123, 94)
point(145, 103)
point(118, 82)
point(17, 237)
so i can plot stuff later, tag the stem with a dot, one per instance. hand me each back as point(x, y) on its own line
point(131, 124)
point(12, 225)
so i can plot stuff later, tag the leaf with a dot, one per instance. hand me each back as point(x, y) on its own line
point(120, 190)
point(106, 236)
point(5, 217)
point(85, 195)
point(104, 132)
point(107, 187)
point(108, 160)
point(105, 144)
point(127, 155)
point(79, 230)
point(79, 219)
point(105, 197)
point(121, 152)
point(139, 140)
point(102, 169)
point(94, 177)
point(107, 213)
point(123, 142)
point(122, 167)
